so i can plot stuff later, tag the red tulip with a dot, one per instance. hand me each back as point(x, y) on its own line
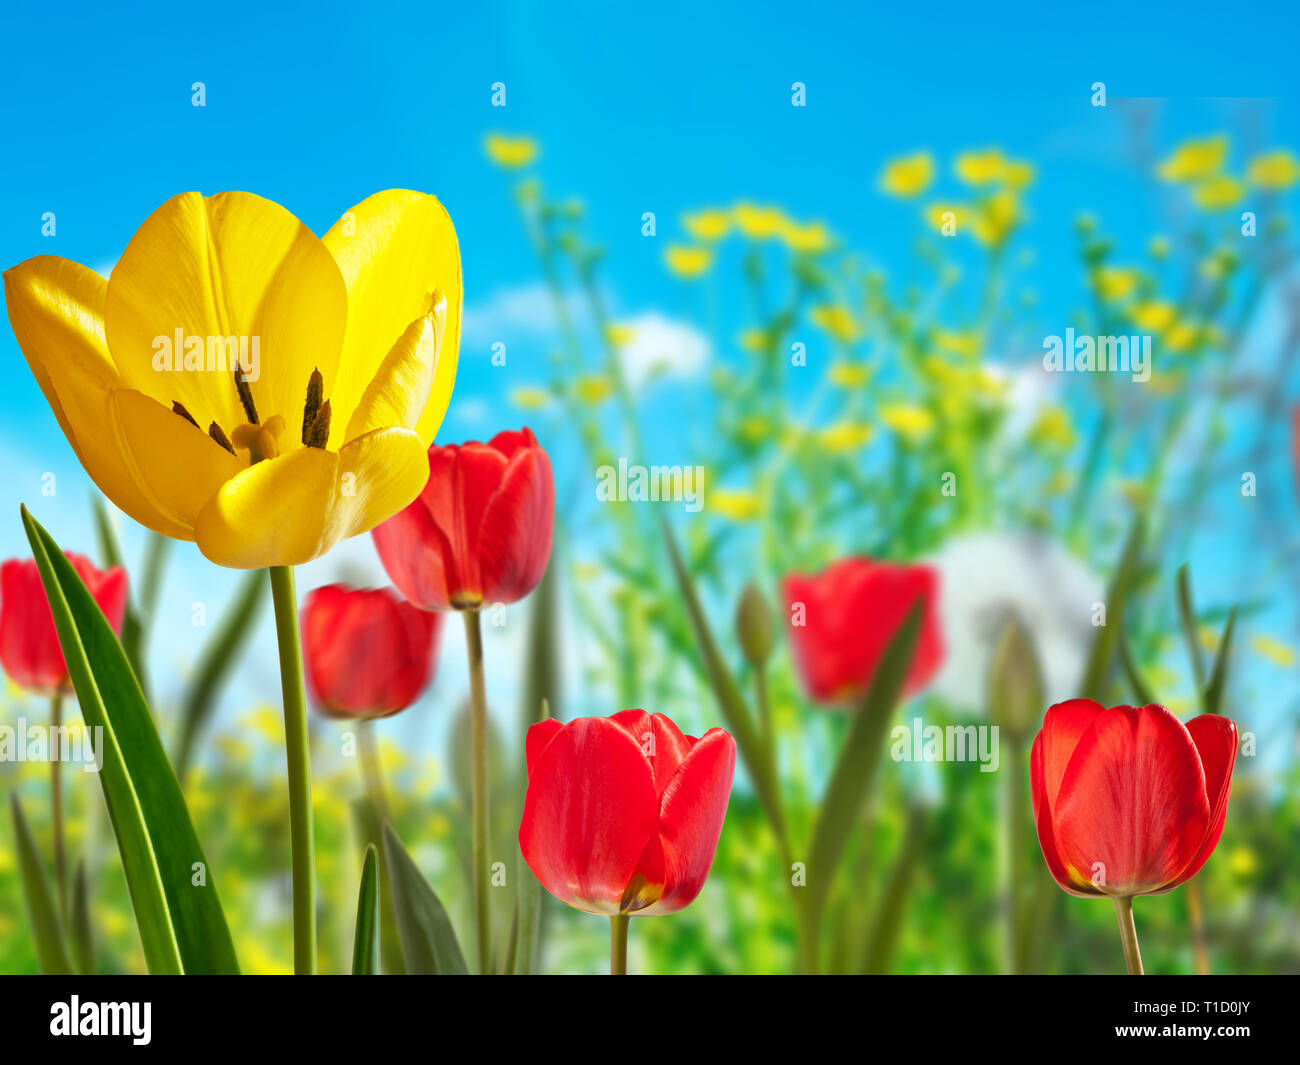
point(623, 813)
point(368, 652)
point(1127, 801)
point(29, 643)
point(851, 611)
point(480, 532)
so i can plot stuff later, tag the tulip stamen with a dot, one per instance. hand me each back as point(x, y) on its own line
point(179, 408)
point(319, 434)
point(214, 431)
point(245, 395)
point(315, 395)
point(639, 893)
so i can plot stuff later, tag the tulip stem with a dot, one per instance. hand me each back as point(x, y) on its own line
point(371, 771)
point(56, 812)
point(1128, 936)
point(479, 814)
point(298, 756)
point(618, 925)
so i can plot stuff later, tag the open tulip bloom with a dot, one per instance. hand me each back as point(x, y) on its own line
point(1129, 801)
point(623, 814)
point(241, 383)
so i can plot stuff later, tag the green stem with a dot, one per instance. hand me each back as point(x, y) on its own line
point(371, 772)
point(1015, 824)
point(1128, 936)
point(618, 944)
point(56, 793)
point(764, 712)
point(298, 757)
point(479, 814)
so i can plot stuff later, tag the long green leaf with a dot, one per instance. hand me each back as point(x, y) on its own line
point(1187, 614)
point(110, 553)
point(365, 944)
point(51, 949)
point(429, 942)
point(182, 927)
point(1213, 698)
point(219, 659)
point(1093, 683)
point(370, 829)
point(855, 771)
point(1141, 690)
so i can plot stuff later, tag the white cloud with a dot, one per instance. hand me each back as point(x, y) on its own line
point(662, 347)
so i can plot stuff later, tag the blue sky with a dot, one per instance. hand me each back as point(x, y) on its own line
point(660, 107)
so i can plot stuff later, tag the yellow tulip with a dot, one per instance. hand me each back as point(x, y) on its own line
point(1274, 170)
point(907, 176)
point(350, 357)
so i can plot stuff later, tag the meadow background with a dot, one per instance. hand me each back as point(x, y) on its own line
point(774, 225)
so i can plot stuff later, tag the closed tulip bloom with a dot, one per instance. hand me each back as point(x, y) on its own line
point(241, 383)
point(1129, 801)
point(623, 813)
point(29, 642)
point(842, 619)
point(480, 532)
point(368, 652)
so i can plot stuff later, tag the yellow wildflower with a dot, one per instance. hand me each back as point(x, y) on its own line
point(1242, 861)
point(1195, 160)
point(837, 320)
point(845, 436)
point(1216, 193)
point(1274, 650)
point(848, 374)
point(754, 340)
point(687, 261)
point(1053, 429)
point(1116, 283)
point(907, 176)
point(592, 389)
point(1274, 170)
point(966, 344)
point(1154, 316)
point(511, 153)
point(996, 218)
point(710, 224)
point(811, 238)
point(980, 168)
point(735, 504)
point(620, 335)
point(530, 398)
point(758, 223)
point(936, 214)
point(909, 421)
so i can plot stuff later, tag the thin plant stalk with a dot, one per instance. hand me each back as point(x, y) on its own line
point(56, 805)
point(298, 757)
point(1128, 936)
point(618, 925)
point(372, 773)
point(479, 813)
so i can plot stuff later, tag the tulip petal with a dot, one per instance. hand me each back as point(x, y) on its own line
point(1064, 725)
point(692, 810)
point(291, 509)
point(399, 391)
point(1067, 880)
point(538, 739)
point(178, 466)
point(668, 748)
point(1215, 737)
point(394, 249)
point(416, 555)
point(590, 810)
point(236, 266)
point(56, 311)
point(512, 555)
point(1132, 802)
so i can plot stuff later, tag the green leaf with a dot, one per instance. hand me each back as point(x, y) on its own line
point(1187, 614)
point(1093, 683)
point(1141, 690)
point(735, 711)
point(83, 940)
point(219, 659)
point(855, 771)
point(891, 912)
point(111, 554)
point(51, 949)
point(370, 829)
point(365, 944)
point(429, 942)
point(182, 927)
point(1213, 698)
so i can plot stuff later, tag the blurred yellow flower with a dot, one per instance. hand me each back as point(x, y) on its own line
point(758, 223)
point(619, 335)
point(1242, 861)
point(997, 216)
point(710, 224)
point(1274, 650)
point(1195, 160)
point(1274, 170)
point(686, 261)
point(907, 176)
point(266, 723)
point(530, 398)
point(845, 436)
point(592, 389)
point(810, 238)
point(1154, 316)
point(1182, 336)
point(980, 168)
point(735, 504)
point(966, 344)
point(848, 374)
point(1159, 247)
point(1116, 283)
point(1216, 193)
point(512, 153)
point(909, 421)
point(837, 320)
point(937, 215)
point(1053, 429)
point(754, 429)
point(754, 340)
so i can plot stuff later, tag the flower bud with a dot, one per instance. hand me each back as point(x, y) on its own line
point(754, 626)
point(1015, 680)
